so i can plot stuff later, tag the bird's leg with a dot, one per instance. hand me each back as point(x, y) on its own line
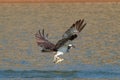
point(57, 59)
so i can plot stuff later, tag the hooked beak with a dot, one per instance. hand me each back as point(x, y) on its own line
point(73, 46)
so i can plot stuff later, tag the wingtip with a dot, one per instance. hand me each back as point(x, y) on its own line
point(42, 32)
point(80, 24)
point(39, 31)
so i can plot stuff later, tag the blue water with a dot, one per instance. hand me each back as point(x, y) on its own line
point(58, 74)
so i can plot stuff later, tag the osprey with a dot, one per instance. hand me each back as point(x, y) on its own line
point(64, 44)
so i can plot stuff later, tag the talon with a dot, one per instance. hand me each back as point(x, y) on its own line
point(58, 61)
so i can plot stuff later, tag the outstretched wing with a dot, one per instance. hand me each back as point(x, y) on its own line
point(71, 33)
point(43, 42)
point(75, 28)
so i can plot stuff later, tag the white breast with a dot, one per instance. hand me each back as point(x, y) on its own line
point(59, 53)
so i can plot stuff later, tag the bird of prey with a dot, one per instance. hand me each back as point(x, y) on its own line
point(63, 45)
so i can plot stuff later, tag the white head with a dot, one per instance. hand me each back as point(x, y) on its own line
point(71, 46)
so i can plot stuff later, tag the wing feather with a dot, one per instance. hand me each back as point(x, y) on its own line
point(43, 42)
point(71, 33)
point(75, 28)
